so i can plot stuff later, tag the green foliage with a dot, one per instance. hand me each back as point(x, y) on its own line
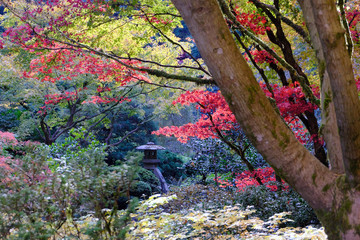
point(70, 201)
point(39, 203)
point(269, 202)
point(228, 222)
point(76, 152)
point(27, 196)
point(148, 177)
point(171, 165)
point(199, 196)
point(9, 118)
point(139, 189)
point(212, 156)
point(134, 156)
point(122, 123)
point(145, 182)
point(266, 202)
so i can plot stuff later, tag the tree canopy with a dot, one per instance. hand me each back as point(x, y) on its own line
point(286, 74)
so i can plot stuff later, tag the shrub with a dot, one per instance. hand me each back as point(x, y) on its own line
point(213, 156)
point(28, 190)
point(229, 222)
point(48, 187)
point(134, 155)
point(140, 188)
point(171, 165)
point(9, 118)
point(270, 198)
point(198, 196)
point(149, 177)
point(268, 203)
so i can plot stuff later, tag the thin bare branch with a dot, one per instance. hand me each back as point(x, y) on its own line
point(286, 20)
point(177, 44)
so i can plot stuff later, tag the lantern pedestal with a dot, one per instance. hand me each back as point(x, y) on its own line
point(151, 162)
point(164, 186)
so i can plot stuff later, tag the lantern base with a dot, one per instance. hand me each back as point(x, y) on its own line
point(164, 186)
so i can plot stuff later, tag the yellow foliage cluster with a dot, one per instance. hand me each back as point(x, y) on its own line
point(230, 222)
point(226, 223)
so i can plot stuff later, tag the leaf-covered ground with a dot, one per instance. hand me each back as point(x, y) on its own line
point(229, 222)
point(182, 216)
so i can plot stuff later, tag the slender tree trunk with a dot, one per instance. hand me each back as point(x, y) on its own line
point(341, 77)
point(329, 128)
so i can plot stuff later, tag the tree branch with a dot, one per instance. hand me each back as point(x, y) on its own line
point(286, 20)
point(307, 90)
point(349, 42)
point(177, 44)
point(113, 56)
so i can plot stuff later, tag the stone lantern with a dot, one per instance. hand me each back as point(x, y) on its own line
point(151, 162)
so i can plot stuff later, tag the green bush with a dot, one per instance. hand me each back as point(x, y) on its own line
point(149, 177)
point(171, 165)
point(199, 197)
point(140, 188)
point(135, 156)
point(225, 223)
point(268, 203)
point(9, 118)
point(48, 188)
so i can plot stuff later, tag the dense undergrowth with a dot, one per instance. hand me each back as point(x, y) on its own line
point(197, 220)
point(67, 191)
point(152, 221)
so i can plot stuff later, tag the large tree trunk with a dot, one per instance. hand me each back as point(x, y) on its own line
point(342, 221)
point(331, 195)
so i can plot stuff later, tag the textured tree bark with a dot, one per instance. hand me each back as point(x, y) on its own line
point(345, 97)
point(333, 196)
point(342, 222)
point(328, 128)
point(252, 109)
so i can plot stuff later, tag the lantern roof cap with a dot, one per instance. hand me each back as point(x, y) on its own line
point(150, 146)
